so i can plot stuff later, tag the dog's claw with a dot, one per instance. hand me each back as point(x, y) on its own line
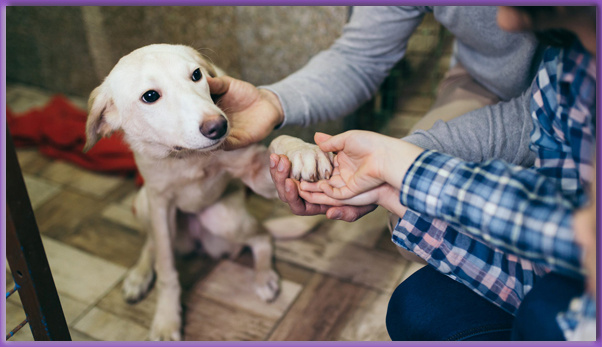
point(309, 163)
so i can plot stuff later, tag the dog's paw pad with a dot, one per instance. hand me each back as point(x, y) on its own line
point(267, 285)
point(310, 163)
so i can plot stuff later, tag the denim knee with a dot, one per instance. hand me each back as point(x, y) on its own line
point(429, 306)
point(536, 315)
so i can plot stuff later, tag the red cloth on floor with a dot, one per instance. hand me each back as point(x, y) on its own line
point(59, 131)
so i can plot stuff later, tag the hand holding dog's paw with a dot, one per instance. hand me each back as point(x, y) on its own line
point(308, 162)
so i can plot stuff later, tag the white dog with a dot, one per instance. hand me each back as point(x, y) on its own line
point(159, 97)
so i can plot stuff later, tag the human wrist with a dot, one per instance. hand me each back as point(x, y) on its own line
point(388, 198)
point(272, 99)
point(399, 162)
point(387, 195)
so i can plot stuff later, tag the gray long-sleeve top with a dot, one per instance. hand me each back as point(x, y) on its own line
point(338, 80)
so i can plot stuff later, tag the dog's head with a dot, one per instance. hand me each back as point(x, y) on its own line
point(159, 97)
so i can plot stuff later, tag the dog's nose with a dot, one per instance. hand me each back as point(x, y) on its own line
point(214, 128)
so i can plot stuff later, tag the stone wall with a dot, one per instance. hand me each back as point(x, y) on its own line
point(70, 49)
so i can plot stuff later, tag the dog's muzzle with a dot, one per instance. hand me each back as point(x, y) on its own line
point(215, 127)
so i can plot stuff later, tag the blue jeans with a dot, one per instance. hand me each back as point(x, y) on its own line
point(536, 317)
point(430, 306)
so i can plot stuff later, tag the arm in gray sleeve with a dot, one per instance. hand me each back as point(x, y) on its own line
point(338, 80)
point(501, 131)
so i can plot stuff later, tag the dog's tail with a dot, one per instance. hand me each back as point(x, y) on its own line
point(292, 227)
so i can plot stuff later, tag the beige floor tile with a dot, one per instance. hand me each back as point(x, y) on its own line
point(140, 313)
point(72, 308)
point(95, 184)
point(373, 268)
point(122, 215)
point(128, 200)
point(368, 321)
point(192, 271)
point(107, 240)
point(105, 326)
point(365, 232)
point(40, 190)
point(60, 215)
point(206, 320)
point(10, 283)
point(22, 98)
point(77, 335)
point(14, 316)
point(31, 160)
point(319, 312)
point(79, 275)
point(232, 284)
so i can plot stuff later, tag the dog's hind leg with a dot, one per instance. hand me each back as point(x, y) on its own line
point(267, 283)
point(229, 219)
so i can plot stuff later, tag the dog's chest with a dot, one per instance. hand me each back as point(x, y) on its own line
point(198, 194)
point(190, 184)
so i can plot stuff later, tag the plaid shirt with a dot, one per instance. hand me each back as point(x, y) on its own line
point(499, 226)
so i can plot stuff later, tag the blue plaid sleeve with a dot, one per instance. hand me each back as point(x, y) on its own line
point(514, 209)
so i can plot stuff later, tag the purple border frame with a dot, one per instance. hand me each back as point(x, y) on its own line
point(5, 3)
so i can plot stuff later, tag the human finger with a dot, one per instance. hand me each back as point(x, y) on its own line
point(298, 205)
point(279, 170)
point(219, 85)
point(349, 213)
point(331, 143)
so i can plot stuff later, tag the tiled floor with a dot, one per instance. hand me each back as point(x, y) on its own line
point(336, 281)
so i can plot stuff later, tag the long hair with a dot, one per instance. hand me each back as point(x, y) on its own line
point(553, 36)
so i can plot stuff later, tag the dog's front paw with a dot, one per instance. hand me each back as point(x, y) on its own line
point(136, 285)
point(267, 285)
point(308, 162)
point(166, 327)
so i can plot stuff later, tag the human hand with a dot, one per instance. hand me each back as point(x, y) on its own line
point(364, 160)
point(384, 195)
point(584, 225)
point(253, 113)
point(288, 192)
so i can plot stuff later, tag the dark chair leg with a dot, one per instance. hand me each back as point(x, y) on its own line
point(27, 258)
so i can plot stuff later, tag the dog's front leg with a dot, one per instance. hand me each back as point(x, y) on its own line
point(167, 322)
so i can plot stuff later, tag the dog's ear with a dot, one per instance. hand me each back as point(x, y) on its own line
point(209, 67)
point(100, 107)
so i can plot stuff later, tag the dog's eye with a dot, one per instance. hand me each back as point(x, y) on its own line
point(150, 96)
point(196, 75)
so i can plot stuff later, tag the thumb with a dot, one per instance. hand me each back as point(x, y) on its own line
point(218, 85)
point(321, 137)
point(329, 143)
point(235, 140)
